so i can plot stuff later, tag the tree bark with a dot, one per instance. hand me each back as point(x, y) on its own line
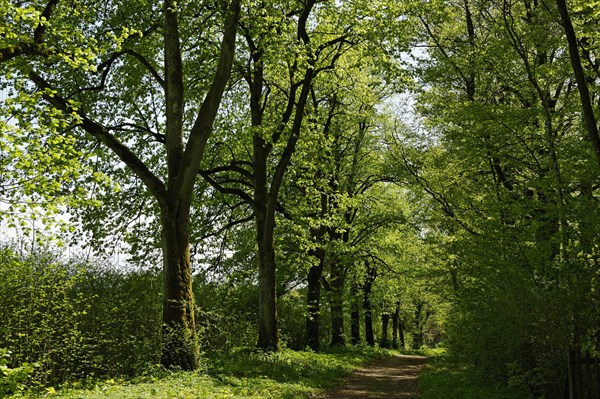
point(313, 302)
point(418, 336)
point(180, 347)
point(264, 213)
point(355, 315)
point(183, 162)
point(367, 286)
point(369, 336)
point(268, 334)
point(315, 275)
point(395, 320)
point(338, 336)
point(401, 332)
point(385, 321)
point(265, 195)
point(265, 201)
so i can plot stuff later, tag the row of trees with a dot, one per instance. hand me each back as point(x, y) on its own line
point(77, 321)
point(184, 123)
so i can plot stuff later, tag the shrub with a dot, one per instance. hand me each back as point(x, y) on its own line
point(40, 315)
point(12, 380)
point(516, 336)
point(77, 320)
point(226, 315)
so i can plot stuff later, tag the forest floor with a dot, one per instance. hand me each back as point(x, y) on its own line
point(392, 377)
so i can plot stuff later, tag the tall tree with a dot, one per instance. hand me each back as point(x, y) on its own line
point(98, 88)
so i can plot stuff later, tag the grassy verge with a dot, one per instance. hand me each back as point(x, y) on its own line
point(442, 379)
point(242, 374)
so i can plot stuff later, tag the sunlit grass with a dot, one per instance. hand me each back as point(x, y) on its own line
point(240, 374)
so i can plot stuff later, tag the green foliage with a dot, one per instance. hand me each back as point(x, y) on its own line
point(122, 324)
point(291, 310)
point(226, 315)
point(75, 320)
point(516, 336)
point(13, 379)
point(510, 188)
point(442, 379)
point(41, 314)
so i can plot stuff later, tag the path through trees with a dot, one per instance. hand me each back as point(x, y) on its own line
point(393, 377)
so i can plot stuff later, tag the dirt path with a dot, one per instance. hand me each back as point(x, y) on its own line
point(390, 378)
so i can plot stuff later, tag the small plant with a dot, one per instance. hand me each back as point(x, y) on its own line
point(12, 380)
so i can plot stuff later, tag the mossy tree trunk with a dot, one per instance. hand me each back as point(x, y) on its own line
point(179, 328)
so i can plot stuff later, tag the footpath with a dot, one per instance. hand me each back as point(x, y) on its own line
point(390, 378)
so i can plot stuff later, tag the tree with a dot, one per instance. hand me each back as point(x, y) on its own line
point(282, 101)
point(160, 141)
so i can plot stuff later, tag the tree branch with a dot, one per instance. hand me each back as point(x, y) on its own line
point(153, 183)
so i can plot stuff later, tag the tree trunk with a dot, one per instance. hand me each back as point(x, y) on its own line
point(267, 185)
point(338, 337)
point(395, 320)
point(180, 347)
point(582, 85)
point(268, 335)
point(313, 299)
point(369, 336)
point(401, 332)
point(385, 321)
point(371, 275)
point(355, 316)
point(418, 336)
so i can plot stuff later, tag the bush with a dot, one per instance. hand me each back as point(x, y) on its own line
point(516, 336)
point(291, 309)
point(40, 314)
point(12, 380)
point(226, 315)
point(123, 323)
point(77, 320)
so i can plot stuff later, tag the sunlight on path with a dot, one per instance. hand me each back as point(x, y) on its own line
point(394, 377)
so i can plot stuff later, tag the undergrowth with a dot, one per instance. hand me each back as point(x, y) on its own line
point(443, 379)
point(242, 374)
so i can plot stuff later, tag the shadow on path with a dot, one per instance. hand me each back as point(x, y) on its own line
point(394, 377)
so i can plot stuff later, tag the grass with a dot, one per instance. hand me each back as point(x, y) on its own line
point(242, 374)
point(442, 379)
